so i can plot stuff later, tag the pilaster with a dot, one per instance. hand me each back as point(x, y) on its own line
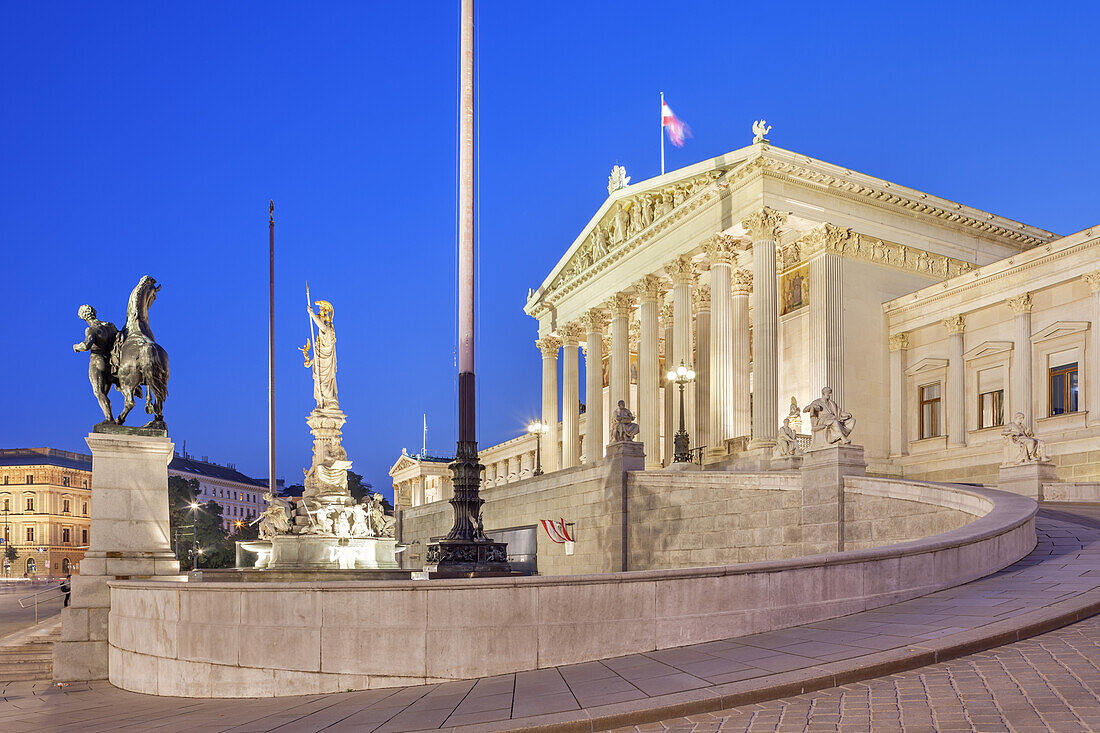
point(1021, 396)
point(1092, 374)
point(956, 381)
point(899, 344)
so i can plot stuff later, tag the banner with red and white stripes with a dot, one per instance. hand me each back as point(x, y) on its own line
point(557, 531)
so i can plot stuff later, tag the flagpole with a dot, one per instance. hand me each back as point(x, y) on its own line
point(271, 348)
point(661, 130)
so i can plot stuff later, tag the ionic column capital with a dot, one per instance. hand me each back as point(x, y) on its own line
point(1021, 303)
point(955, 324)
point(621, 305)
point(650, 288)
point(571, 333)
point(680, 270)
point(764, 224)
point(899, 342)
point(741, 281)
point(594, 320)
point(549, 346)
point(1093, 279)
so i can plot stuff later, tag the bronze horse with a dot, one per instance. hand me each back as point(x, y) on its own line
point(137, 359)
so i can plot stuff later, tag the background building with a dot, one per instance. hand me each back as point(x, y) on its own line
point(240, 497)
point(44, 502)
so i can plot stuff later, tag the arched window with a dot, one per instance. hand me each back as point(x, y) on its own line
point(65, 567)
point(32, 566)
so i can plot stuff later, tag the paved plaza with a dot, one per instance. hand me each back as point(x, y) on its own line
point(1047, 682)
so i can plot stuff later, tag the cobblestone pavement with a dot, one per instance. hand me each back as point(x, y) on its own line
point(1047, 683)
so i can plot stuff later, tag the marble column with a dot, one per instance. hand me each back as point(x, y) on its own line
point(1020, 397)
point(1092, 359)
point(763, 227)
point(721, 253)
point(595, 321)
point(549, 346)
point(702, 302)
point(827, 323)
point(667, 449)
point(650, 291)
point(899, 444)
point(740, 289)
point(622, 307)
point(681, 271)
point(570, 397)
point(956, 381)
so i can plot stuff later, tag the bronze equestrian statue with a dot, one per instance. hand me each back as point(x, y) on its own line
point(127, 360)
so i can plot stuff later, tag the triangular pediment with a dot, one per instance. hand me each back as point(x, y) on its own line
point(403, 462)
point(988, 348)
point(930, 364)
point(1058, 329)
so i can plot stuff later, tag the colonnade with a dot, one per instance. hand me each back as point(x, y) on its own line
point(714, 341)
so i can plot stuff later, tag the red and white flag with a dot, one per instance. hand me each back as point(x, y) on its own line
point(676, 128)
point(556, 531)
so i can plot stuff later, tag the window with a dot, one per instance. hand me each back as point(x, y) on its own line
point(930, 411)
point(1063, 389)
point(84, 483)
point(83, 536)
point(65, 506)
point(30, 503)
point(7, 505)
point(30, 534)
point(991, 398)
point(66, 566)
point(84, 508)
point(64, 480)
point(65, 535)
point(30, 478)
point(5, 480)
point(32, 566)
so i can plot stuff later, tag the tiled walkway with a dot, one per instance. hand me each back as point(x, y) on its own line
point(1065, 565)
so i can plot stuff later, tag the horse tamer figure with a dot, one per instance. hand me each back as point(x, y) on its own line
point(128, 360)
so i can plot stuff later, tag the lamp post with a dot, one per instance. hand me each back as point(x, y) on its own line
point(682, 376)
point(194, 506)
point(538, 427)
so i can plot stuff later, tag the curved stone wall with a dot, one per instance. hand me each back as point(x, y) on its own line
point(249, 639)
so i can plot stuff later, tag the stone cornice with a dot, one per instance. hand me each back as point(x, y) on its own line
point(846, 243)
point(981, 284)
point(784, 163)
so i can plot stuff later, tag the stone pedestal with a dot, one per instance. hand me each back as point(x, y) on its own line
point(1026, 479)
point(129, 538)
point(823, 472)
point(786, 463)
point(621, 458)
point(331, 553)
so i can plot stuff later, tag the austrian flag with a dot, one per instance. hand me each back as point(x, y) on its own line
point(676, 128)
point(556, 531)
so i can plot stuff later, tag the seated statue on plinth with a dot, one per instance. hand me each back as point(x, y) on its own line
point(1020, 444)
point(787, 441)
point(829, 424)
point(275, 519)
point(623, 427)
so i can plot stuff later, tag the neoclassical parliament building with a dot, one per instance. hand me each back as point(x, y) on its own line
point(772, 274)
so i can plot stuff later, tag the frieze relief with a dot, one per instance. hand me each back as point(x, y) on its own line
point(629, 223)
point(843, 241)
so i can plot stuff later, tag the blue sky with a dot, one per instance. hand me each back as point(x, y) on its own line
point(148, 137)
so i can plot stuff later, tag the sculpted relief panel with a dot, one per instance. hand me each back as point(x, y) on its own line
point(843, 241)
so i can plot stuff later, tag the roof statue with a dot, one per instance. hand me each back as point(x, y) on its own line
point(129, 360)
point(759, 130)
point(618, 179)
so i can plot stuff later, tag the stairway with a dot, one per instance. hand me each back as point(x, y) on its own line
point(29, 659)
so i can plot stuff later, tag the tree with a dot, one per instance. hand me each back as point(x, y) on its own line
point(10, 553)
point(358, 487)
point(201, 526)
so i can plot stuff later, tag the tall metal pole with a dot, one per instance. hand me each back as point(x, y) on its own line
point(466, 550)
point(271, 348)
point(661, 132)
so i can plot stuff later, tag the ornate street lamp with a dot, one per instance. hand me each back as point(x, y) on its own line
point(538, 427)
point(681, 375)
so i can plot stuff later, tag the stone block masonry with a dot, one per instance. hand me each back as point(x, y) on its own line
point(129, 539)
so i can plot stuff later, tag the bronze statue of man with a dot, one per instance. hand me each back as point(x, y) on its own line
point(99, 339)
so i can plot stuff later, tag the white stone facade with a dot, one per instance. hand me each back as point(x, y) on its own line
point(775, 274)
